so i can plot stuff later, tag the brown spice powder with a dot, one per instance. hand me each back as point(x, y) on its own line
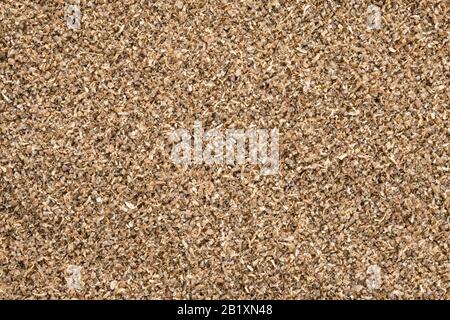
point(359, 209)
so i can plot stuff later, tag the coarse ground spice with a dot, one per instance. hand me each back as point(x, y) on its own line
point(91, 205)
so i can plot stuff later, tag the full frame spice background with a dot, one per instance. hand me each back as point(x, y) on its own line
point(93, 207)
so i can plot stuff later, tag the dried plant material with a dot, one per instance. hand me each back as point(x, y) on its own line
point(130, 205)
point(357, 92)
point(113, 285)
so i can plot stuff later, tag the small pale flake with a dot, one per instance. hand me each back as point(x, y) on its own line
point(130, 205)
point(113, 285)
